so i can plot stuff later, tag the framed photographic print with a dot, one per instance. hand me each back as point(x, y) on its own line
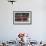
point(22, 17)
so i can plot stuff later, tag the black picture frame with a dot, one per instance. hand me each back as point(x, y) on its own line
point(22, 17)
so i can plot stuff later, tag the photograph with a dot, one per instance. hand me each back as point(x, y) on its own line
point(22, 17)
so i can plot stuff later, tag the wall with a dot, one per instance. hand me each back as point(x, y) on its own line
point(10, 31)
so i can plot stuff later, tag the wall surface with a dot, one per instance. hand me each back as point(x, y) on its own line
point(9, 31)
